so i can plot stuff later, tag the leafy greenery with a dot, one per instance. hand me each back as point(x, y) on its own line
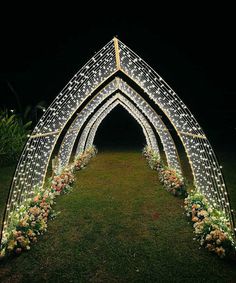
point(117, 225)
point(13, 135)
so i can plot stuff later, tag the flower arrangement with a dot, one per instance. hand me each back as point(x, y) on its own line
point(147, 151)
point(154, 160)
point(211, 227)
point(82, 159)
point(63, 183)
point(30, 219)
point(170, 179)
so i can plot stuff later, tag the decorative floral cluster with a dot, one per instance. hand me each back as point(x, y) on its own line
point(63, 183)
point(153, 158)
point(172, 182)
point(211, 227)
point(170, 179)
point(30, 219)
point(82, 159)
point(147, 151)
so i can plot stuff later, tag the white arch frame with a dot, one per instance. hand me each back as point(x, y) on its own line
point(114, 57)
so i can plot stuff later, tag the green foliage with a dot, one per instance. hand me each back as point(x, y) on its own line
point(13, 135)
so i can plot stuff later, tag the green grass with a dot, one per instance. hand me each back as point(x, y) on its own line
point(118, 225)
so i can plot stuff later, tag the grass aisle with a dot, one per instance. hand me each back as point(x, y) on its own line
point(118, 225)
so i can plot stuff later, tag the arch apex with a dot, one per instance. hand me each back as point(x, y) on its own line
point(117, 52)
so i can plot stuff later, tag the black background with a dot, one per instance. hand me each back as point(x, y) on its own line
point(192, 48)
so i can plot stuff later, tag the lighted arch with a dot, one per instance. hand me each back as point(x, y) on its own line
point(102, 116)
point(69, 139)
point(206, 170)
point(128, 106)
point(207, 174)
point(138, 116)
point(114, 57)
point(118, 84)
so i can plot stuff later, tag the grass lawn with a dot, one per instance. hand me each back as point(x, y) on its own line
point(118, 225)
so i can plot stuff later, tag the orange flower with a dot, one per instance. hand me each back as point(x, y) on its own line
point(208, 237)
point(220, 251)
point(36, 199)
point(210, 247)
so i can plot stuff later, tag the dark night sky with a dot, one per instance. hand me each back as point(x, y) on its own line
point(194, 51)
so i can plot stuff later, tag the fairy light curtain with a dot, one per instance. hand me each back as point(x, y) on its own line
point(155, 120)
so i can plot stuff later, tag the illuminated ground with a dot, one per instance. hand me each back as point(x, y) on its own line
point(118, 225)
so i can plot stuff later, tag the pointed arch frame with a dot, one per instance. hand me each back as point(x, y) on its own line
point(131, 109)
point(115, 85)
point(113, 57)
point(69, 139)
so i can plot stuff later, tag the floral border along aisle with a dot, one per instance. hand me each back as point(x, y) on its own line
point(211, 227)
point(169, 178)
point(30, 219)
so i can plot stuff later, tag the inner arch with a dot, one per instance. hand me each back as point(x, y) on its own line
point(138, 119)
point(119, 130)
point(131, 108)
point(141, 104)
